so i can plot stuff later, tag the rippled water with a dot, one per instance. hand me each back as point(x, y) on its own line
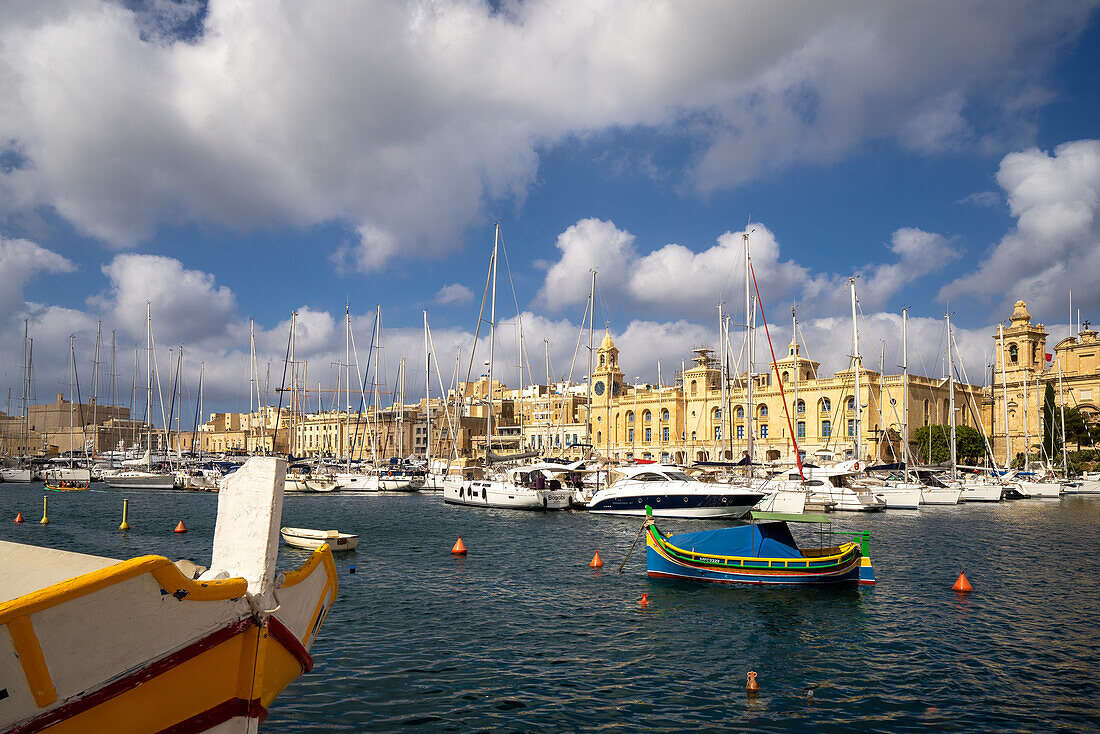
point(521, 635)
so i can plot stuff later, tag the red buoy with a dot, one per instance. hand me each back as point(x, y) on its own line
point(459, 548)
point(181, 528)
point(19, 517)
point(751, 686)
point(962, 586)
point(597, 562)
point(644, 601)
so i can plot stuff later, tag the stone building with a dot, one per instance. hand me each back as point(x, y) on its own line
point(687, 421)
point(1027, 372)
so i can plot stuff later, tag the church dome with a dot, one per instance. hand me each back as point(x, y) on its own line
point(1020, 314)
point(607, 343)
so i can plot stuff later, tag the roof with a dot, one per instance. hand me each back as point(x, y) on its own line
point(789, 517)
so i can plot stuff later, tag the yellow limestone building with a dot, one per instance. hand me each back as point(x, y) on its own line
point(1024, 360)
point(686, 422)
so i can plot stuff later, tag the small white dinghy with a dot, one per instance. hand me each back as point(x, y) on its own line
point(314, 539)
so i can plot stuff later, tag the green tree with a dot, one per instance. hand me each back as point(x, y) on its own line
point(1079, 431)
point(935, 449)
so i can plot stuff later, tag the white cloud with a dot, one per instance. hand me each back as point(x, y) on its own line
point(187, 305)
point(20, 262)
point(982, 199)
point(454, 293)
point(1055, 245)
point(402, 120)
point(676, 279)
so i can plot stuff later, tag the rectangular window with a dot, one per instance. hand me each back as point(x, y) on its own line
point(717, 433)
point(802, 429)
point(630, 435)
point(826, 428)
point(741, 432)
point(648, 434)
point(664, 433)
point(851, 428)
point(763, 431)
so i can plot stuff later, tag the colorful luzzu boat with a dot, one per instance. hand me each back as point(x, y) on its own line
point(95, 645)
point(761, 553)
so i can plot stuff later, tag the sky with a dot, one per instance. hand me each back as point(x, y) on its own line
point(230, 162)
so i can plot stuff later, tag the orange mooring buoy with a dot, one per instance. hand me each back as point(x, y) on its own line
point(644, 601)
point(962, 585)
point(181, 528)
point(750, 687)
point(459, 547)
point(19, 517)
point(597, 562)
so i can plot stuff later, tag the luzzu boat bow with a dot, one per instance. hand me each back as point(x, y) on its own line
point(762, 553)
point(144, 646)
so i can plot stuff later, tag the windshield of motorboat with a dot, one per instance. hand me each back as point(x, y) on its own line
point(680, 476)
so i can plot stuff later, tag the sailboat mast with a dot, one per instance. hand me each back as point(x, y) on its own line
point(721, 437)
point(95, 386)
point(857, 368)
point(588, 398)
point(401, 413)
point(374, 389)
point(1062, 409)
point(549, 388)
point(251, 381)
point(797, 369)
point(149, 378)
point(26, 389)
point(492, 345)
point(427, 400)
point(905, 390)
point(72, 368)
point(346, 444)
point(661, 413)
point(749, 312)
point(1004, 387)
point(293, 388)
point(1027, 437)
point(951, 397)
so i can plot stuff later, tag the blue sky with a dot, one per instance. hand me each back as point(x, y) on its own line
point(229, 162)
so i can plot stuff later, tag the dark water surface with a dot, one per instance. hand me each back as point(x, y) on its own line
point(522, 636)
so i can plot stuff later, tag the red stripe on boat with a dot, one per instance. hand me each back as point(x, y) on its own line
point(290, 641)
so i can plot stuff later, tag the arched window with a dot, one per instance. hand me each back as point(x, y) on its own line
point(851, 403)
point(826, 428)
point(647, 416)
point(800, 406)
point(693, 435)
point(762, 411)
point(599, 436)
point(740, 411)
point(694, 387)
point(630, 416)
point(926, 412)
point(664, 414)
point(786, 377)
point(826, 407)
point(602, 358)
point(1013, 354)
point(717, 414)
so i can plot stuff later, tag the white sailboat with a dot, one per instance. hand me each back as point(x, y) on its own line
point(520, 488)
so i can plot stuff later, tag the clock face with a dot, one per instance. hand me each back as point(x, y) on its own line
point(598, 388)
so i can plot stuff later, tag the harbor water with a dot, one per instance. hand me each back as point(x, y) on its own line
point(521, 635)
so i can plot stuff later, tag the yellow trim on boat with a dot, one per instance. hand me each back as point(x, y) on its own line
point(300, 574)
point(843, 550)
point(164, 571)
point(29, 652)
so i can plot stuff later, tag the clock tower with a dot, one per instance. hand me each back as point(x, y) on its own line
point(607, 379)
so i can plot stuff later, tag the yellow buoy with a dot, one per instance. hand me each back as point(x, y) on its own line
point(125, 506)
point(45, 506)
